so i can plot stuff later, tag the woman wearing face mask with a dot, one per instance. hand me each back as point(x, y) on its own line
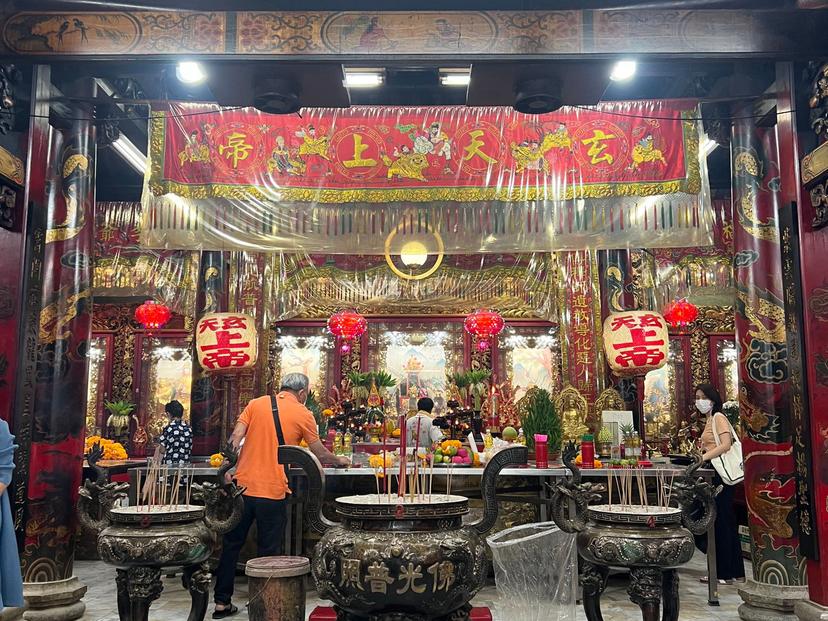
point(729, 563)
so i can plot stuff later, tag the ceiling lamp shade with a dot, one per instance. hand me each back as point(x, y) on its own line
point(484, 325)
point(153, 315)
point(226, 342)
point(347, 326)
point(680, 313)
point(635, 342)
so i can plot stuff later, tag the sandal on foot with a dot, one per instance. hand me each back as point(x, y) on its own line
point(225, 612)
point(705, 580)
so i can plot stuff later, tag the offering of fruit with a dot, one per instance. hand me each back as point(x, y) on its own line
point(509, 434)
point(216, 459)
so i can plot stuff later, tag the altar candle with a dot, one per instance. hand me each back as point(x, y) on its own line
point(417, 447)
point(384, 454)
point(403, 457)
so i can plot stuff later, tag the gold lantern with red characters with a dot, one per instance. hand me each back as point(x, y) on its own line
point(226, 342)
point(636, 342)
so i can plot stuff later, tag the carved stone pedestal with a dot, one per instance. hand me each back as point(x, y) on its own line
point(11, 614)
point(770, 602)
point(810, 611)
point(54, 601)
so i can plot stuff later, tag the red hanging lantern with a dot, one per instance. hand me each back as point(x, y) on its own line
point(485, 325)
point(153, 315)
point(680, 313)
point(347, 326)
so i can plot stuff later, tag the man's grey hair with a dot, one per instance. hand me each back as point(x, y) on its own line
point(295, 382)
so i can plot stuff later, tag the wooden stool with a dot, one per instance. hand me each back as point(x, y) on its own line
point(277, 588)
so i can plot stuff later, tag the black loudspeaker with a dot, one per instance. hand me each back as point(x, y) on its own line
point(537, 96)
point(276, 96)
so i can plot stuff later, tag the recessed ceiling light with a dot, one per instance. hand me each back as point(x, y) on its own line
point(623, 70)
point(455, 77)
point(190, 72)
point(363, 78)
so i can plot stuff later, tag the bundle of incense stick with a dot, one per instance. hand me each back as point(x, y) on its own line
point(162, 486)
point(403, 458)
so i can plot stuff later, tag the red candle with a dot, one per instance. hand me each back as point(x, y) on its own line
point(403, 457)
point(384, 454)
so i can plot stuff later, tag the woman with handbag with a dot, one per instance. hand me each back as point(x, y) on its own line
point(722, 449)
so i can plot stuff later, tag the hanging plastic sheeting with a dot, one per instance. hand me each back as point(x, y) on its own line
point(536, 573)
point(367, 180)
point(702, 275)
point(319, 285)
point(124, 269)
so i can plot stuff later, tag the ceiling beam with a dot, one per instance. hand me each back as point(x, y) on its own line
point(782, 34)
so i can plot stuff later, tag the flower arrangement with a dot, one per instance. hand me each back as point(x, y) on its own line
point(216, 459)
point(731, 410)
point(111, 450)
point(376, 461)
point(596, 462)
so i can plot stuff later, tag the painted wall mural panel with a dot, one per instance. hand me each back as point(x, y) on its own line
point(324, 33)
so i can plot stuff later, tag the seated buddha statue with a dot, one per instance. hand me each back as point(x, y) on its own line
point(573, 424)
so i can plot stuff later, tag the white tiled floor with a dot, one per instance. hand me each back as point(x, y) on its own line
point(174, 602)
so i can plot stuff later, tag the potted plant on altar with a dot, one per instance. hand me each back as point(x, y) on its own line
point(540, 417)
point(119, 417)
point(360, 384)
point(478, 387)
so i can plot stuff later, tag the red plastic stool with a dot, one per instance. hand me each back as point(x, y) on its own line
point(326, 613)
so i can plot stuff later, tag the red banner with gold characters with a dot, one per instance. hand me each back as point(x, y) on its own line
point(391, 154)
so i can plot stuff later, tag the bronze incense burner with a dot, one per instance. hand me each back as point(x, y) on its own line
point(393, 560)
point(650, 542)
point(142, 541)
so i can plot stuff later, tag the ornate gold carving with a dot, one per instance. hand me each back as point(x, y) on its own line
point(118, 319)
point(573, 410)
point(815, 164)
point(51, 325)
point(11, 166)
point(767, 318)
point(699, 357)
point(716, 319)
point(609, 399)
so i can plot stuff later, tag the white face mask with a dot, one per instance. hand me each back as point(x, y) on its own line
point(704, 405)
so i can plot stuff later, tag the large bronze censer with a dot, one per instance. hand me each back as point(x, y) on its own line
point(650, 541)
point(140, 541)
point(395, 559)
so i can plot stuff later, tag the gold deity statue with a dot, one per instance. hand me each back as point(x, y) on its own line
point(573, 411)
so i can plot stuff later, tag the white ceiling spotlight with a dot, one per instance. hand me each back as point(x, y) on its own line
point(623, 70)
point(455, 76)
point(363, 78)
point(190, 72)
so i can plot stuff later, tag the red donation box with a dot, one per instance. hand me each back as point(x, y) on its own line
point(226, 342)
point(636, 342)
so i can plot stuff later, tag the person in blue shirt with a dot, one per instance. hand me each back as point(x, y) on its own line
point(11, 582)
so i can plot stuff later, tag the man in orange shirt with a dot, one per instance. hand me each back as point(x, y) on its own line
point(265, 424)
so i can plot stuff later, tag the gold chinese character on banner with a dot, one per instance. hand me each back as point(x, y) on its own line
point(474, 148)
point(236, 149)
point(350, 574)
point(443, 576)
point(358, 161)
point(409, 575)
point(378, 578)
point(597, 146)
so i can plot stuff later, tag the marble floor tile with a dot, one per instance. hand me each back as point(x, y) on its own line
point(174, 602)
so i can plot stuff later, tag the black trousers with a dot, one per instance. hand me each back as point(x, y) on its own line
point(271, 517)
point(729, 561)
